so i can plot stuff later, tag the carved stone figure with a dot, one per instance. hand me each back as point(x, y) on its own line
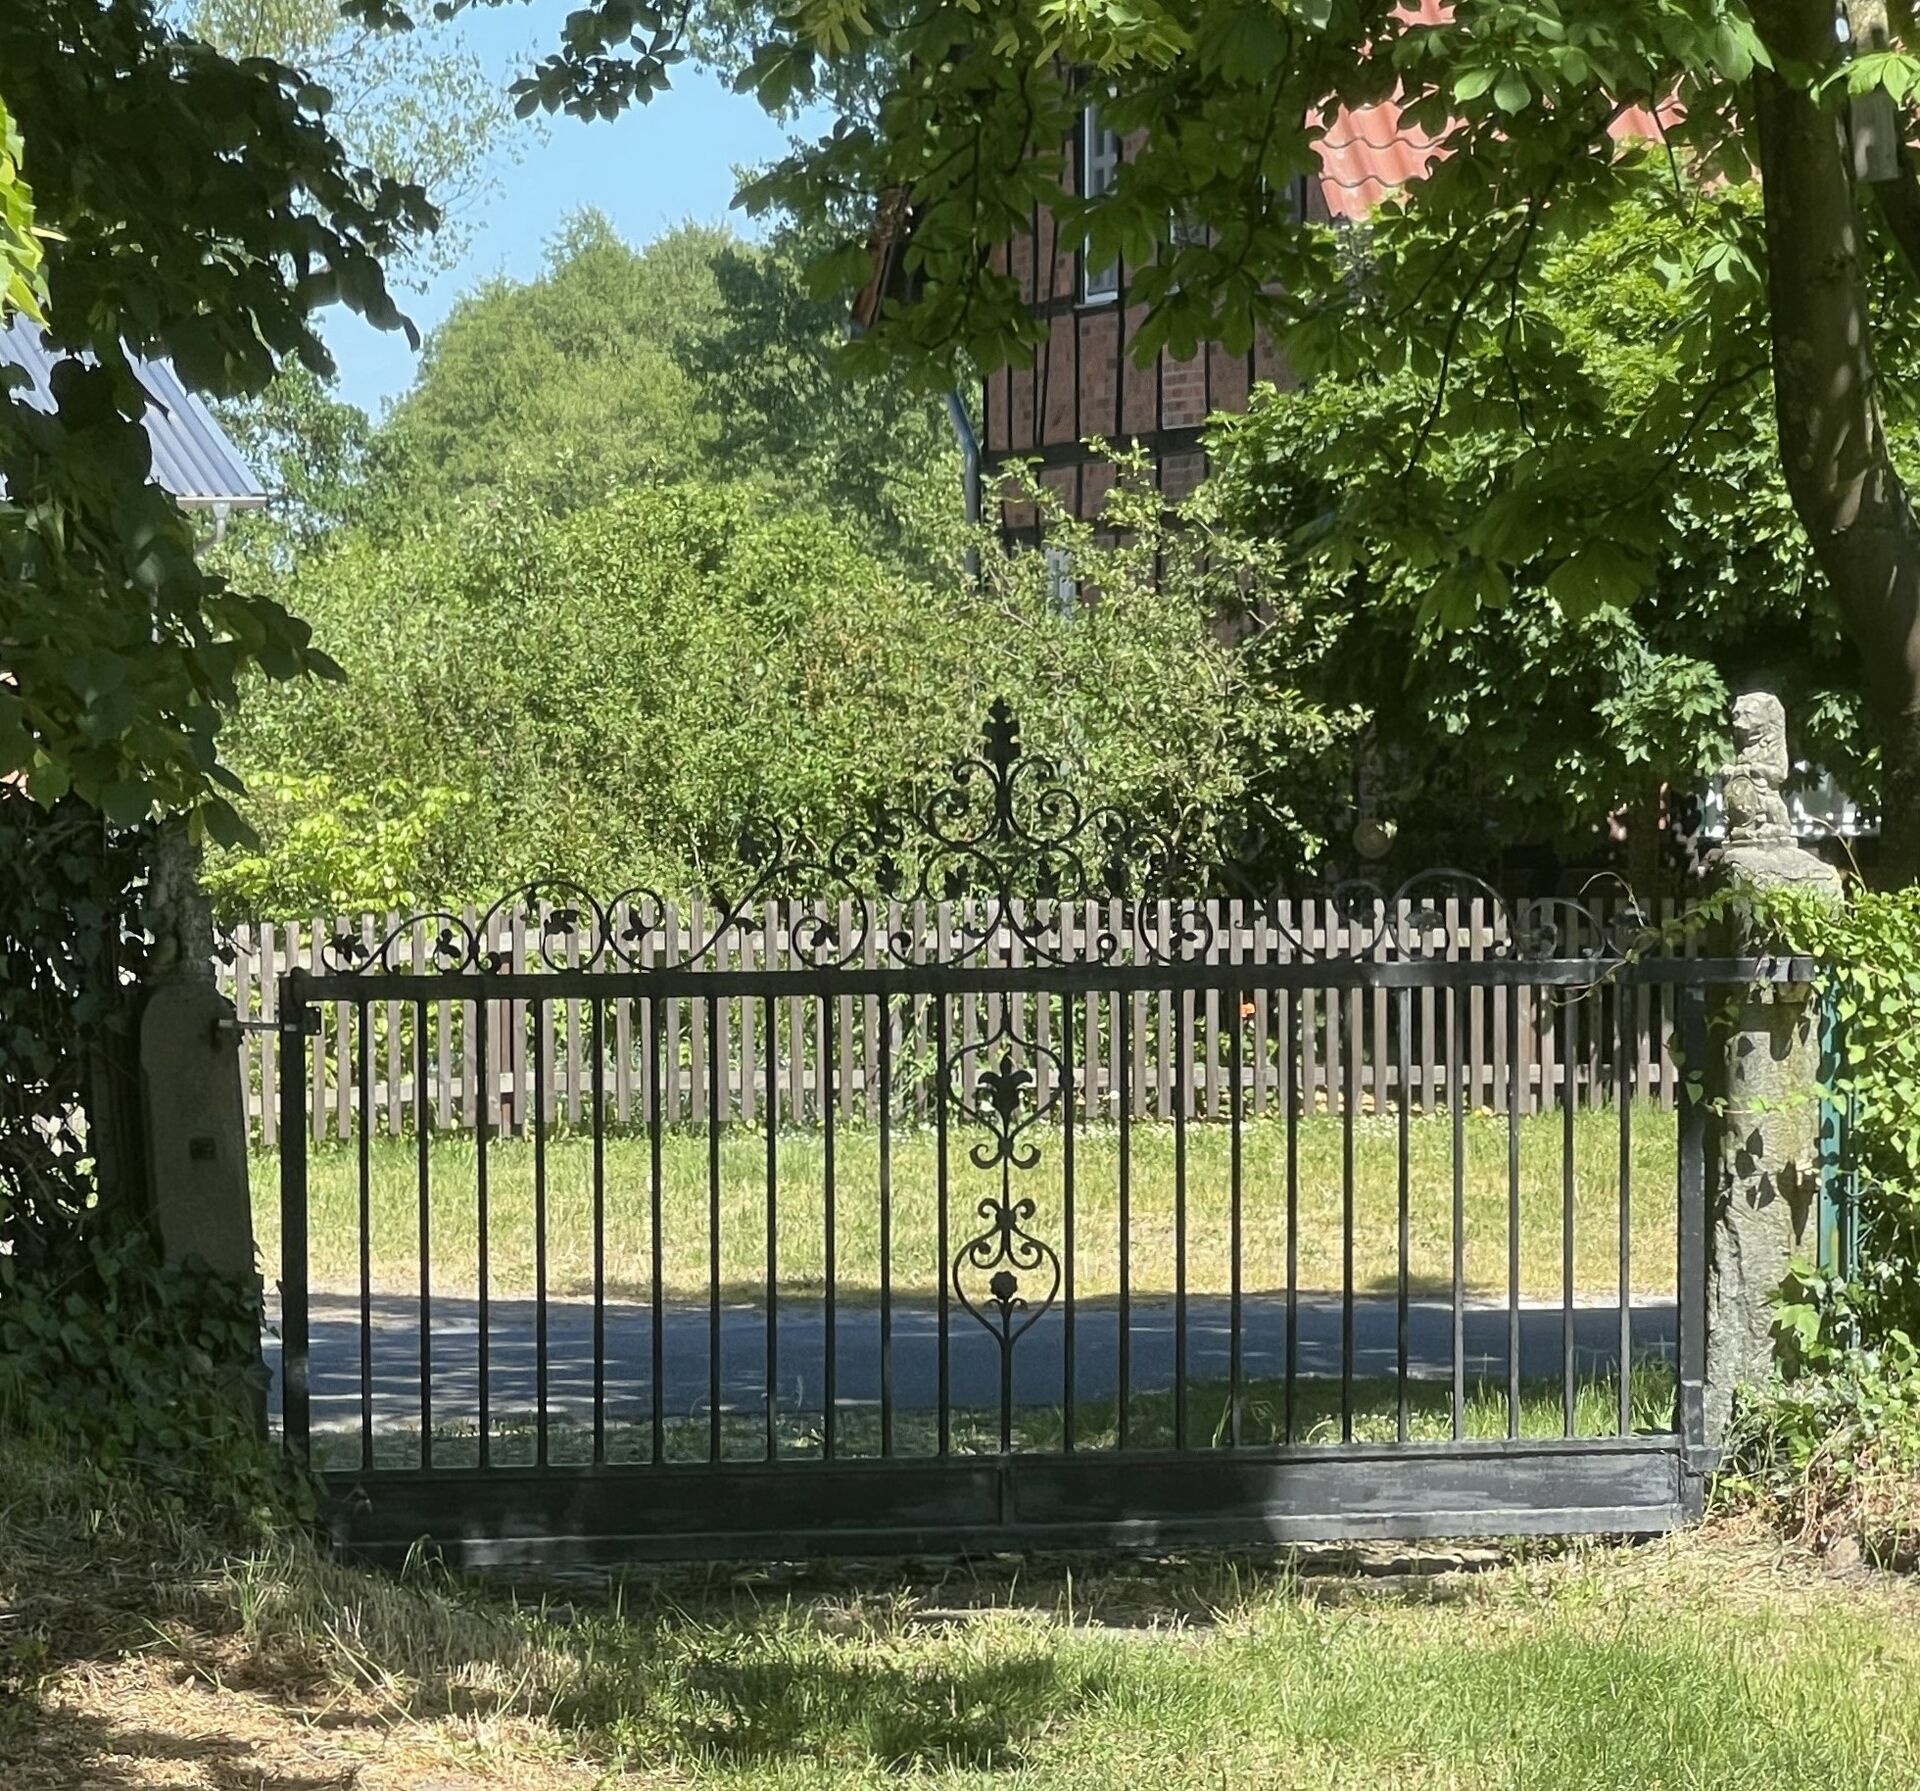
point(1754, 782)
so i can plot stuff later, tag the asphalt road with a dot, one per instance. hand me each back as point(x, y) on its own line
point(974, 1356)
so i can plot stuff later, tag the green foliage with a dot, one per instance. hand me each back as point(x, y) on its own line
point(193, 207)
point(1223, 104)
point(771, 369)
point(1834, 1450)
point(413, 105)
point(334, 851)
point(20, 286)
point(616, 692)
point(1869, 953)
point(554, 394)
point(695, 356)
point(310, 451)
point(957, 122)
point(1542, 613)
point(148, 1374)
point(1834, 1444)
point(70, 945)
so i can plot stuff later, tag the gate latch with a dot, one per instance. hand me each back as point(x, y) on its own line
point(302, 1022)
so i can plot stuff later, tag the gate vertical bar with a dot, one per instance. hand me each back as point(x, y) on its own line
point(1184, 1093)
point(1296, 1076)
point(943, 1319)
point(1512, 1015)
point(716, 1087)
point(1089, 1011)
point(1690, 1344)
point(656, 1119)
point(482, 1342)
point(1627, 1008)
point(363, 1014)
point(1456, 1091)
point(1403, 1074)
point(1347, 1001)
point(1236, 1097)
point(1569, 1046)
point(1125, 1015)
point(541, 1045)
point(295, 1362)
point(422, 1124)
point(773, 1222)
point(883, 1042)
point(830, 1387)
point(597, 1043)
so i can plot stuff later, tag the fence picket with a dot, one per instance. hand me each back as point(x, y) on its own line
point(270, 1039)
point(1499, 1087)
point(752, 953)
point(1378, 1043)
point(784, 957)
point(1335, 1052)
point(1429, 1090)
point(848, 1039)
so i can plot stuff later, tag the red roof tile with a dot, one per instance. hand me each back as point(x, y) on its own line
point(1367, 151)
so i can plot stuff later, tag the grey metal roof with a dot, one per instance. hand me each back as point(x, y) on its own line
point(192, 458)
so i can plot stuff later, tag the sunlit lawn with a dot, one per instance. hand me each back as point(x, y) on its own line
point(333, 1197)
point(141, 1654)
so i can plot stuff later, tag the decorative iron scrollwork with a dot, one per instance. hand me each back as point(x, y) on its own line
point(1029, 869)
point(1007, 1276)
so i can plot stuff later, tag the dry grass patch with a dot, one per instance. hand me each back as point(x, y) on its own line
point(142, 1651)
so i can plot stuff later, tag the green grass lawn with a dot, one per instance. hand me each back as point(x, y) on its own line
point(139, 1653)
point(333, 1196)
point(1151, 1421)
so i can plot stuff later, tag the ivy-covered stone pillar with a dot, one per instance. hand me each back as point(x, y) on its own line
point(1762, 1078)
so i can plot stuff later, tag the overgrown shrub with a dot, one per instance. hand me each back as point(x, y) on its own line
point(1834, 1445)
point(148, 1375)
point(70, 945)
point(615, 695)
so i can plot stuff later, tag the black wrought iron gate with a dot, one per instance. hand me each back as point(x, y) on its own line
point(929, 1272)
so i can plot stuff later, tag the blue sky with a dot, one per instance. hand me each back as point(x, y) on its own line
point(648, 170)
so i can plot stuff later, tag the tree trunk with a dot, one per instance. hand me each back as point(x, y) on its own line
point(1646, 839)
point(1833, 446)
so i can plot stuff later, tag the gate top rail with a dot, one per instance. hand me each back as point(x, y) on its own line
point(702, 980)
point(1004, 834)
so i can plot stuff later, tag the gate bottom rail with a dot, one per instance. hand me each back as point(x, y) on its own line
point(583, 1516)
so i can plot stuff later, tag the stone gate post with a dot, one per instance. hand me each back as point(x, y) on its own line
point(1762, 1078)
point(193, 1104)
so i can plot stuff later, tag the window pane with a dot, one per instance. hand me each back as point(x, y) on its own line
point(1099, 163)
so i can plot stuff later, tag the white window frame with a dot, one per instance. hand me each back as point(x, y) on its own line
point(1100, 157)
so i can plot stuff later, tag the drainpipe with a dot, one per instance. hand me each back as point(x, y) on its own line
point(969, 472)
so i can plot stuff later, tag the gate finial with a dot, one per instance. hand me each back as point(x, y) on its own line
point(1001, 740)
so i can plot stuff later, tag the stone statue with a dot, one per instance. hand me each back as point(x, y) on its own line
point(1756, 809)
point(1760, 848)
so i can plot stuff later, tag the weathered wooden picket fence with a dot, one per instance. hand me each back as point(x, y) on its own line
point(1347, 1051)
